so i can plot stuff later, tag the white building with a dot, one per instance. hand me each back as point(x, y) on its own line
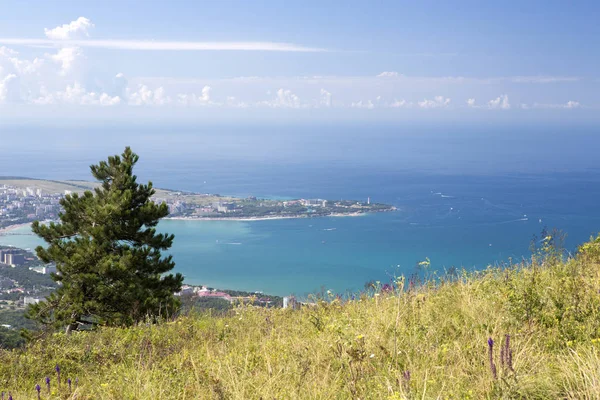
point(30, 300)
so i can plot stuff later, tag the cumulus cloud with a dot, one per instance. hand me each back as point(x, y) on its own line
point(400, 103)
point(232, 101)
point(388, 74)
point(499, 103)
point(437, 102)
point(7, 87)
point(360, 104)
point(58, 76)
point(119, 85)
point(326, 98)
point(285, 98)
point(10, 61)
point(146, 96)
point(194, 99)
point(74, 30)
point(75, 94)
point(572, 104)
point(66, 58)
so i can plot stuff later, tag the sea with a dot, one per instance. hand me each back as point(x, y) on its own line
point(467, 197)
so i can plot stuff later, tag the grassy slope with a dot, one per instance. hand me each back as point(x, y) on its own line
point(360, 349)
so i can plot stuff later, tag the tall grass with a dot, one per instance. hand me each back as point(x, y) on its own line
point(426, 342)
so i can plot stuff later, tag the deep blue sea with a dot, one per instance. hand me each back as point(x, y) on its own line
point(462, 201)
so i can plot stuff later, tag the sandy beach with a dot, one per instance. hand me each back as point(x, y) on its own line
point(247, 219)
point(13, 227)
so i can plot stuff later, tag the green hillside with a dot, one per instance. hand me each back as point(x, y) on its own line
point(427, 341)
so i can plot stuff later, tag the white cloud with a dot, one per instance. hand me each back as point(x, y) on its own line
point(284, 99)
point(119, 84)
point(7, 87)
point(326, 98)
point(145, 96)
point(75, 94)
point(232, 101)
point(151, 45)
point(568, 105)
point(400, 104)
point(471, 102)
point(437, 102)
point(66, 58)
point(388, 74)
point(572, 104)
point(543, 79)
point(10, 61)
point(193, 99)
point(74, 30)
point(360, 104)
point(499, 103)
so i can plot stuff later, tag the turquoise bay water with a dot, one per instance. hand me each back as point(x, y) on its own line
point(469, 222)
point(467, 195)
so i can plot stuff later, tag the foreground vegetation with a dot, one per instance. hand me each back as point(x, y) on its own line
point(403, 341)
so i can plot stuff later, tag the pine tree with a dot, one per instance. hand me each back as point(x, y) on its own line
point(107, 253)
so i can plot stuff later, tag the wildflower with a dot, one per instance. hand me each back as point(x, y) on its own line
point(406, 379)
point(38, 388)
point(387, 288)
point(69, 383)
point(57, 369)
point(491, 354)
point(48, 384)
point(508, 352)
point(10, 396)
point(76, 382)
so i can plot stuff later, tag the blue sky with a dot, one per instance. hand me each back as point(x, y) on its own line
point(415, 60)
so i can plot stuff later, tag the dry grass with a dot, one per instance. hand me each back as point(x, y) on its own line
point(429, 342)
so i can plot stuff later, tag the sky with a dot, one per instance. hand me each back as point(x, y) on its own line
point(396, 60)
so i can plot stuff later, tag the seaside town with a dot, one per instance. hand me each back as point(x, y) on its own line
point(24, 204)
point(24, 279)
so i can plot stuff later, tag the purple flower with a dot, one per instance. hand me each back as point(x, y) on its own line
point(57, 369)
point(406, 379)
point(2, 395)
point(386, 288)
point(10, 397)
point(491, 355)
point(69, 383)
point(507, 353)
point(38, 388)
point(48, 384)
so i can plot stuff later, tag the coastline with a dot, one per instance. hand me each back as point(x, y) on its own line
point(275, 217)
point(13, 227)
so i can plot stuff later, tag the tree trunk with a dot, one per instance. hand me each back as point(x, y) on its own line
point(72, 325)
